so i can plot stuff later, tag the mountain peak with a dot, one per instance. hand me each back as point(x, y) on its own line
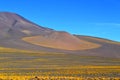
point(7, 14)
point(10, 17)
point(10, 13)
point(12, 24)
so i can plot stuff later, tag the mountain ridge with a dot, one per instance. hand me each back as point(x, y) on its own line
point(20, 33)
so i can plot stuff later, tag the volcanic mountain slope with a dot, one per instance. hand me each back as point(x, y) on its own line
point(108, 48)
point(61, 40)
point(13, 25)
point(19, 33)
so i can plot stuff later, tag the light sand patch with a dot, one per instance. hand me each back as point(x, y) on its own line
point(61, 40)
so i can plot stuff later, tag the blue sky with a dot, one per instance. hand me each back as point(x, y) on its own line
point(100, 18)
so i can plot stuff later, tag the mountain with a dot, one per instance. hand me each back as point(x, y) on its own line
point(19, 33)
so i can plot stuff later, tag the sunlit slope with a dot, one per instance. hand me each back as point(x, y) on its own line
point(108, 48)
point(61, 40)
point(90, 38)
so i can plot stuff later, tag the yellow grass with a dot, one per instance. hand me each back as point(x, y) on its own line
point(54, 66)
point(75, 73)
point(53, 78)
point(3, 49)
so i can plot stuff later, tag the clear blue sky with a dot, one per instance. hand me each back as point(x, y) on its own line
point(100, 18)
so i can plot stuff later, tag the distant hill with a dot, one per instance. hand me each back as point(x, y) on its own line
point(19, 33)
